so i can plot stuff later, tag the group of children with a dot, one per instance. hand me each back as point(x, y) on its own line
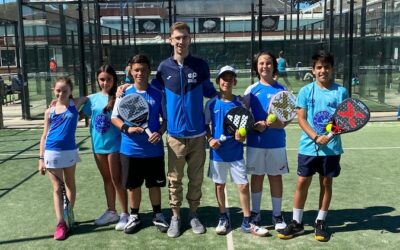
point(123, 154)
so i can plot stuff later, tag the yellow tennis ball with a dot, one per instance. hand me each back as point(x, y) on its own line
point(242, 131)
point(328, 127)
point(271, 118)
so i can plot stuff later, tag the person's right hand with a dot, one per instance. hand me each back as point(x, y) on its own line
point(121, 89)
point(42, 167)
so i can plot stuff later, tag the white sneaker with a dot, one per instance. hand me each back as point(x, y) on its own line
point(279, 222)
point(107, 218)
point(123, 219)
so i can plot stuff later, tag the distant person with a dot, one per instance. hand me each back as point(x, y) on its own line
point(106, 142)
point(282, 65)
point(317, 152)
point(227, 156)
point(58, 149)
point(52, 65)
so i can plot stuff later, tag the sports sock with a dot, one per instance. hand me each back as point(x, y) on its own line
point(256, 202)
point(134, 210)
point(298, 215)
point(276, 206)
point(321, 215)
point(156, 209)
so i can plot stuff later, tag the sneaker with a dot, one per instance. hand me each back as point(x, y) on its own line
point(279, 222)
point(107, 218)
point(61, 231)
point(255, 218)
point(254, 229)
point(160, 222)
point(291, 230)
point(321, 233)
point(123, 220)
point(196, 225)
point(223, 225)
point(132, 224)
point(174, 227)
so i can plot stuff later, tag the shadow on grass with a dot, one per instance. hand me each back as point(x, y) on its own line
point(358, 219)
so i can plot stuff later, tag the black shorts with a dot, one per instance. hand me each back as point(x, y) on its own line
point(137, 170)
point(282, 74)
point(325, 165)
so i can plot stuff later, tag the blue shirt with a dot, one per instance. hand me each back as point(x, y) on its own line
point(320, 104)
point(61, 134)
point(258, 96)
point(215, 111)
point(137, 144)
point(184, 87)
point(106, 138)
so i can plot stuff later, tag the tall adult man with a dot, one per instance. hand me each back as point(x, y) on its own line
point(185, 80)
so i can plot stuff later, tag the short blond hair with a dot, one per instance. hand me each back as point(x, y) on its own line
point(179, 26)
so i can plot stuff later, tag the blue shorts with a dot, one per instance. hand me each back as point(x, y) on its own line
point(325, 165)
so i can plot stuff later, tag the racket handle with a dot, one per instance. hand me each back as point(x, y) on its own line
point(329, 135)
point(223, 138)
point(149, 133)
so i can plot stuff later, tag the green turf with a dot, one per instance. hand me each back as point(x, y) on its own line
point(364, 212)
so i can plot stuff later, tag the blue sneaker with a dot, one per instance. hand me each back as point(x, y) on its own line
point(249, 227)
point(223, 225)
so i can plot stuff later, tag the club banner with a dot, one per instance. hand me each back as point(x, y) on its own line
point(149, 25)
point(269, 23)
point(207, 25)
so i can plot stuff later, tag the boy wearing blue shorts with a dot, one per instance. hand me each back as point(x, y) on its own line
point(227, 155)
point(316, 103)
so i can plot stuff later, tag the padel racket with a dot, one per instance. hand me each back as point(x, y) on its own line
point(282, 106)
point(134, 110)
point(351, 115)
point(68, 211)
point(236, 118)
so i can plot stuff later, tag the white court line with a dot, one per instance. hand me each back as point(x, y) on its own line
point(229, 236)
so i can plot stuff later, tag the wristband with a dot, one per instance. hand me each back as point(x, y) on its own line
point(315, 138)
point(41, 158)
point(209, 139)
point(124, 128)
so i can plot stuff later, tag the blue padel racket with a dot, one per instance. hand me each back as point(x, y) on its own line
point(134, 110)
point(236, 118)
point(351, 115)
point(68, 211)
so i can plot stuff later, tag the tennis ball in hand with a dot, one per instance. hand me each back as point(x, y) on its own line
point(271, 118)
point(242, 131)
point(328, 127)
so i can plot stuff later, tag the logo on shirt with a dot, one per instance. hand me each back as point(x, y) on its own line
point(102, 123)
point(192, 77)
point(320, 120)
point(169, 77)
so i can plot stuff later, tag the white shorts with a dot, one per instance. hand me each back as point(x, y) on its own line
point(61, 159)
point(270, 161)
point(218, 171)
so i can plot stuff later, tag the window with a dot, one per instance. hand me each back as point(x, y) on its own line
point(8, 57)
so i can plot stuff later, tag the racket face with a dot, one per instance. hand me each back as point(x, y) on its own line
point(283, 105)
point(238, 117)
point(133, 109)
point(351, 115)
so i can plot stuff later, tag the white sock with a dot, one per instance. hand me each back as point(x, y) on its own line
point(276, 206)
point(321, 215)
point(298, 215)
point(256, 201)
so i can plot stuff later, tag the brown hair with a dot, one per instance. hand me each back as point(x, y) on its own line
point(179, 26)
point(274, 62)
point(111, 94)
point(67, 81)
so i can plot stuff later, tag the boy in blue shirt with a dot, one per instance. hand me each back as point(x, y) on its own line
point(316, 103)
point(227, 155)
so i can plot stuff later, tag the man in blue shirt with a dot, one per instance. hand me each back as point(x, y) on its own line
point(185, 80)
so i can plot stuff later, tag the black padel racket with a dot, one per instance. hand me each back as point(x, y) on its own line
point(351, 115)
point(237, 118)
